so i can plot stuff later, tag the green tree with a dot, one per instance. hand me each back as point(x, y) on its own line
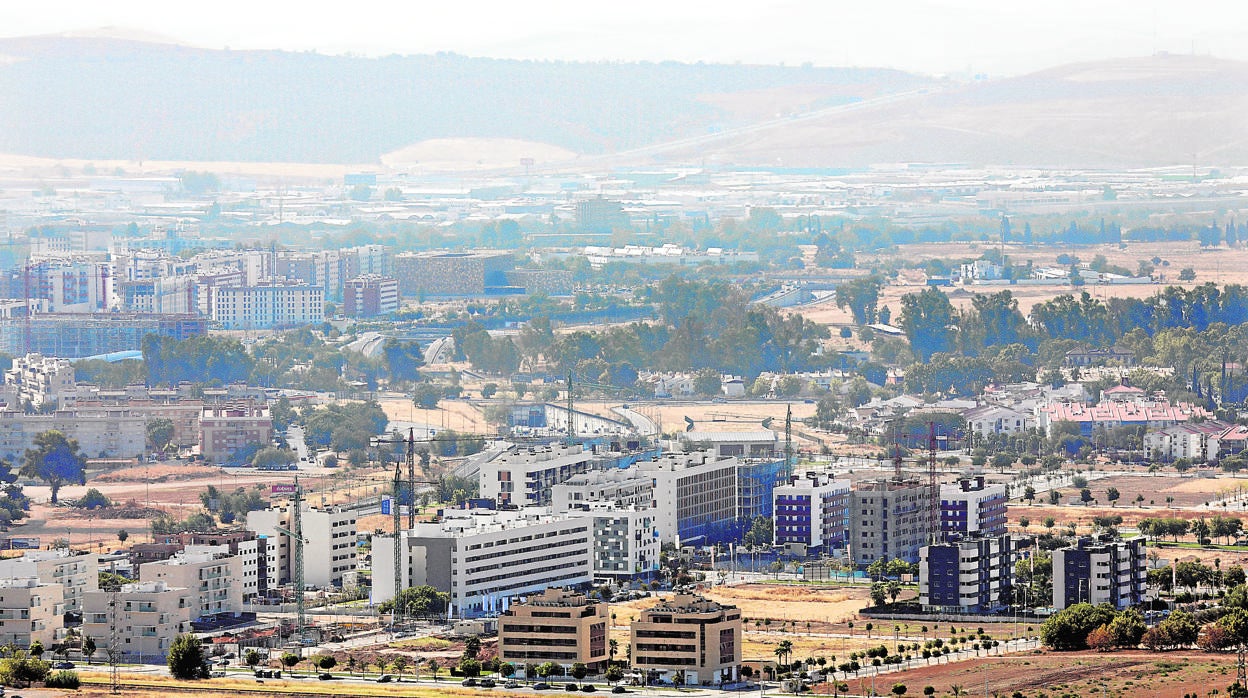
point(761, 531)
point(88, 648)
point(399, 665)
point(56, 460)
point(899, 689)
point(860, 296)
point(928, 319)
point(186, 658)
point(1068, 629)
point(92, 499)
point(252, 658)
point(579, 671)
point(1111, 495)
point(159, 433)
point(289, 660)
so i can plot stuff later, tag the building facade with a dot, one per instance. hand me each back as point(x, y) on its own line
point(972, 507)
point(524, 475)
point(226, 429)
point(31, 610)
point(329, 550)
point(969, 575)
point(812, 514)
point(690, 635)
point(76, 573)
point(370, 295)
point(268, 306)
point(212, 576)
point(1104, 570)
point(889, 520)
point(557, 626)
point(148, 616)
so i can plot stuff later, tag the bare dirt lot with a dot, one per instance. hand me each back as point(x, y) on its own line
point(1156, 675)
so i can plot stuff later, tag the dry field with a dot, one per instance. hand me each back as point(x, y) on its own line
point(1156, 675)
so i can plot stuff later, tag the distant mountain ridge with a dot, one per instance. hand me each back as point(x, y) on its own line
point(105, 98)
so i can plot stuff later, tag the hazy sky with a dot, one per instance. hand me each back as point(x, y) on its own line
point(933, 36)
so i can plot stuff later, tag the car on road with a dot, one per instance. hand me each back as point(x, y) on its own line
point(619, 689)
point(541, 686)
point(385, 678)
point(63, 665)
point(469, 682)
point(325, 677)
point(512, 684)
point(487, 683)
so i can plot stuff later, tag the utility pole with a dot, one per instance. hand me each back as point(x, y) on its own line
point(114, 638)
point(788, 441)
point(297, 542)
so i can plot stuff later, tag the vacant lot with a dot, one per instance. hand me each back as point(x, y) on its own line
point(1081, 673)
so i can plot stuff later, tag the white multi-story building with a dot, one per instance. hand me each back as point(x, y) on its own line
point(271, 305)
point(77, 573)
point(147, 617)
point(329, 550)
point(966, 575)
point(993, 419)
point(483, 558)
point(31, 610)
point(524, 475)
point(1096, 571)
point(811, 513)
point(42, 381)
point(695, 494)
point(626, 539)
point(972, 507)
point(623, 487)
point(210, 573)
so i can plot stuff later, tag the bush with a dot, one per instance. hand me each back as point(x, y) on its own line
point(93, 499)
point(62, 679)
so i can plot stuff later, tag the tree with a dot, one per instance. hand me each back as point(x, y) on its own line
point(433, 669)
point(760, 532)
point(252, 658)
point(56, 460)
point(1187, 274)
point(324, 662)
point(159, 433)
point(879, 592)
point(928, 321)
point(1100, 639)
point(186, 658)
point(579, 671)
point(122, 535)
point(469, 667)
point(289, 660)
point(1029, 493)
point(860, 296)
point(1112, 495)
point(399, 665)
point(899, 689)
point(1068, 629)
point(1127, 629)
point(1085, 496)
point(88, 648)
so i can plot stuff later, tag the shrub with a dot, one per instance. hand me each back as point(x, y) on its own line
point(62, 679)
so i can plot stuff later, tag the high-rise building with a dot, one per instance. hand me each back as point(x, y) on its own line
point(812, 514)
point(274, 304)
point(967, 575)
point(329, 549)
point(889, 519)
point(211, 574)
point(1102, 570)
point(148, 616)
point(226, 429)
point(370, 295)
point(971, 507)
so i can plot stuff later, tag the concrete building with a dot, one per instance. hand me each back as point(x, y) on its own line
point(225, 429)
point(148, 616)
point(691, 635)
point(329, 551)
point(482, 557)
point(1096, 571)
point(274, 304)
point(76, 573)
point(812, 514)
point(210, 573)
point(79, 335)
point(993, 419)
point(101, 431)
point(555, 625)
point(972, 507)
point(626, 540)
point(695, 496)
point(621, 487)
point(42, 381)
point(451, 273)
point(31, 610)
point(524, 475)
point(728, 444)
point(967, 575)
point(888, 519)
point(370, 295)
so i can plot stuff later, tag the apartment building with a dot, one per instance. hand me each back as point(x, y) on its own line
point(555, 625)
point(483, 557)
point(77, 573)
point(1100, 570)
point(524, 475)
point(31, 610)
point(695, 496)
point(888, 519)
point(812, 514)
point(147, 617)
point(329, 550)
point(226, 429)
point(971, 507)
point(370, 295)
point(274, 304)
point(967, 575)
point(42, 381)
point(210, 574)
point(622, 487)
point(690, 635)
point(626, 540)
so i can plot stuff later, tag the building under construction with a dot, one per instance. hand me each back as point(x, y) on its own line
point(78, 335)
point(889, 518)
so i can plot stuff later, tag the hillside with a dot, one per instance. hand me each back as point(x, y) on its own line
point(107, 98)
point(1145, 112)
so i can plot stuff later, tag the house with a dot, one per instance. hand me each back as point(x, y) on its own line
point(1083, 356)
point(992, 419)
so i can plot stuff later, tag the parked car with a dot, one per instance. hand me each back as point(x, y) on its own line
point(63, 665)
point(385, 678)
point(325, 676)
point(541, 686)
point(487, 683)
point(619, 689)
point(512, 684)
point(469, 682)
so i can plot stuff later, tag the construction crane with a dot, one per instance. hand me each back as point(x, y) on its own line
point(297, 541)
point(396, 512)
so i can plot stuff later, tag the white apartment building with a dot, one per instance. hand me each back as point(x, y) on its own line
point(695, 494)
point(42, 380)
point(210, 574)
point(626, 539)
point(811, 513)
point(31, 610)
point(524, 475)
point(270, 305)
point(483, 558)
point(148, 616)
point(77, 573)
point(329, 550)
point(622, 487)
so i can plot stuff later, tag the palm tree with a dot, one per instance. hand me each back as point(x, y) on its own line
point(614, 647)
point(956, 690)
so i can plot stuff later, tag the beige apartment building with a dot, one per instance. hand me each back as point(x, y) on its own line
point(557, 626)
point(213, 577)
point(226, 429)
point(77, 573)
point(149, 615)
point(31, 610)
point(690, 635)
